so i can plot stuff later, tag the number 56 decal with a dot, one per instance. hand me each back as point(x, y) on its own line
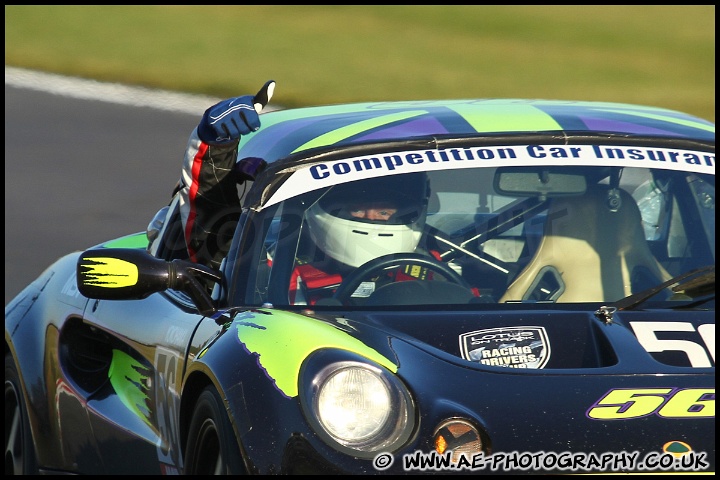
point(623, 403)
point(646, 333)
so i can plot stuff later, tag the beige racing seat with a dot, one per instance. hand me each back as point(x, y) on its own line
point(588, 253)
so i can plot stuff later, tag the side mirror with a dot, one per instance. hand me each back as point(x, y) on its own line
point(133, 274)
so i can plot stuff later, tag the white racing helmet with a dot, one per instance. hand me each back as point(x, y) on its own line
point(355, 241)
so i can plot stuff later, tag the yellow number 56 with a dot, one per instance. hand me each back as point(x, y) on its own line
point(625, 403)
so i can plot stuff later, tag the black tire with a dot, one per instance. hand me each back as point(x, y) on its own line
point(212, 448)
point(20, 456)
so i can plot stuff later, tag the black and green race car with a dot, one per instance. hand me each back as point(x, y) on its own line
point(546, 304)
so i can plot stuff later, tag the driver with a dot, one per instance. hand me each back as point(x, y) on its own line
point(354, 223)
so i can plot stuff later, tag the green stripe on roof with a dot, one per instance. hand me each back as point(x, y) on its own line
point(279, 116)
point(342, 133)
point(494, 118)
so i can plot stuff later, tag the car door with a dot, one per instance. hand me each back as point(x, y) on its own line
point(135, 416)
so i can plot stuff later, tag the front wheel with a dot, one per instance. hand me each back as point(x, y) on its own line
point(211, 446)
point(19, 449)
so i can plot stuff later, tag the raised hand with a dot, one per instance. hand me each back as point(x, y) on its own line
point(229, 119)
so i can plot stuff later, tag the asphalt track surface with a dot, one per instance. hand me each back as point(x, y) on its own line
point(82, 167)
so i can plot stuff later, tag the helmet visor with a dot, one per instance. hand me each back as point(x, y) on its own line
point(396, 200)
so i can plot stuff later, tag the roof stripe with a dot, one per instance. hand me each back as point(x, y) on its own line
point(337, 135)
point(505, 118)
point(298, 130)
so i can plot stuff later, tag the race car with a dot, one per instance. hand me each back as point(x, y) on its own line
point(538, 297)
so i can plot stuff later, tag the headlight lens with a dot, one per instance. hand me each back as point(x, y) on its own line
point(353, 404)
point(356, 406)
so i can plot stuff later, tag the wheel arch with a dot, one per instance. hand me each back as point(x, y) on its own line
point(195, 384)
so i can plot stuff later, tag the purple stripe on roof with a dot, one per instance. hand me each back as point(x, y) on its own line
point(422, 126)
point(603, 124)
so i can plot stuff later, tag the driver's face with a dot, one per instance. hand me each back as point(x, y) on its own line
point(373, 211)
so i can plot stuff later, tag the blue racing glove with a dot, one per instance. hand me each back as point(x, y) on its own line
point(228, 120)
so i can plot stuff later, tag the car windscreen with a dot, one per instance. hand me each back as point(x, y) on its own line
point(462, 232)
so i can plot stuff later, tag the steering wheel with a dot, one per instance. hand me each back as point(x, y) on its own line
point(394, 260)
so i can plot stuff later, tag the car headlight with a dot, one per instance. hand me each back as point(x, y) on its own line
point(357, 407)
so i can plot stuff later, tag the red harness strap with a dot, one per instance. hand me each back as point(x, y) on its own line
point(316, 282)
point(313, 279)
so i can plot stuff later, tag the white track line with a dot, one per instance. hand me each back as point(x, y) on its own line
point(109, 92)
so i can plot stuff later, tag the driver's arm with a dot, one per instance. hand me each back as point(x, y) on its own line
point(209, 202)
